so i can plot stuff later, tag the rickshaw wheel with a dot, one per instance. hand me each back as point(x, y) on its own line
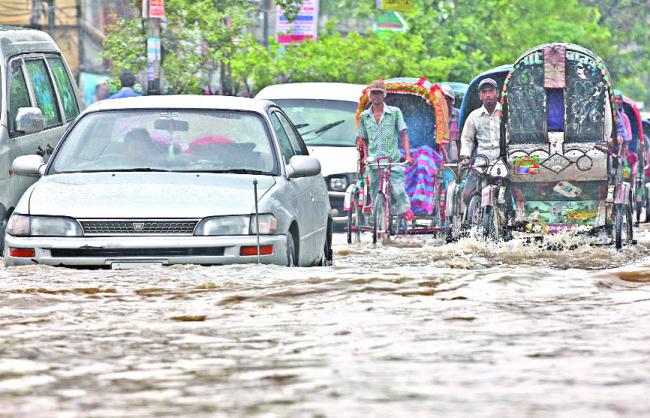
point(623, 226)
point(474, 218)
point(490, 224)
point(354, 220)
point(378, 216)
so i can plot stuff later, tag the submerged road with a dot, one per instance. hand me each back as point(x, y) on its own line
point(415, 329)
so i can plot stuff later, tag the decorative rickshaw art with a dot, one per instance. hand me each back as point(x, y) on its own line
point(427, 118)
point(558, 118)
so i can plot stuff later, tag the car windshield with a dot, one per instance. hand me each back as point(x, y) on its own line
point(322, 122)
point(168, 140)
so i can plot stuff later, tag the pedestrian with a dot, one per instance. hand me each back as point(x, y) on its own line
point(127, 80)
point(454, 114)
point(481, 130)
point(379, 128)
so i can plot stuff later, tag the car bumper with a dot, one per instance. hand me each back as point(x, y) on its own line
point(113, 251)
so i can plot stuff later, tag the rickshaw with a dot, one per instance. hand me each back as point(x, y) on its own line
point(646, 168)
point(425, 113)
point(559, 136)
point(637, 147)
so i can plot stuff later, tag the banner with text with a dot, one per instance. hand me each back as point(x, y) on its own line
point(305, 26)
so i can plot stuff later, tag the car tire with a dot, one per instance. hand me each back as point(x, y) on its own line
point(3, 227)
point(291, 251)
point(328, 255)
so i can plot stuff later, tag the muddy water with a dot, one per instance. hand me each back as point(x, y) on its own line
point(418, 329)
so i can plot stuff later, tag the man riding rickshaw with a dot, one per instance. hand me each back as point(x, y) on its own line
point(425, 114)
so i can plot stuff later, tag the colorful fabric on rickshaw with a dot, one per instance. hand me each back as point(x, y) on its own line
point(420, 178)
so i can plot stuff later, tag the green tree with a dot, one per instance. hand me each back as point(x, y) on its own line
point(354, 58)
point(629, 58)
point(498, 31)
point(198, 36)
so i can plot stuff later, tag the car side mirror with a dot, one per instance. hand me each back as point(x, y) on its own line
point(28, 165)
point(29, 120)
point(303, 166)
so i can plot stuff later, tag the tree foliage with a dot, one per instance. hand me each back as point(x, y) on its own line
point(447, 40)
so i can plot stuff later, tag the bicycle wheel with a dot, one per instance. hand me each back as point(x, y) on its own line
point(354, 220)
point(623, 226)
point(474, 218)
point(378, 216)
point(388, 213)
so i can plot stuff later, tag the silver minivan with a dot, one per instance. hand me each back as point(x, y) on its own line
point(39, 98)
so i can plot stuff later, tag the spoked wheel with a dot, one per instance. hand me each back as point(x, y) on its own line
point(474, 216)
point(354, 220)
point(623, 226)
point(390, 221)
point(490, 224)
point(379, 216)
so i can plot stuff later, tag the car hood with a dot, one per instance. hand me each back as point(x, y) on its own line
point(146, 195)
point(335, 160)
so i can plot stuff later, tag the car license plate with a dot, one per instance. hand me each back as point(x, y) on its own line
point(127, 265)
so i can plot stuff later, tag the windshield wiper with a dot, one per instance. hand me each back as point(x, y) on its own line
point(322, 129)
point(140, 170)
point(230, 171)
point(115, 170)
point(301, 125)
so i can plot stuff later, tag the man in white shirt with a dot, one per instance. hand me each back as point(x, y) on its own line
point(482, 128)
point(482, 125)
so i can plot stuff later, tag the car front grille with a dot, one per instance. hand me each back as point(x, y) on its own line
point(136, 252)
point(138, 226)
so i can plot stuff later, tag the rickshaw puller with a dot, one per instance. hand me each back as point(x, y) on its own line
point(379, 127)
point(482, 128)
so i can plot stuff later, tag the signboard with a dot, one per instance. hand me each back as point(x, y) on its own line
point(389, 21)
point(305, 26)
point(401, 5)
point(154, 9)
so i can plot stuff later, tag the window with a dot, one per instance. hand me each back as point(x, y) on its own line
point(283, 138)
point(18, 95)
point(294, 139)
point(43, 91)
point(64, 86)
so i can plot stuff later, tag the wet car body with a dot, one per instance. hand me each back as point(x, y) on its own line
point(184, 209)
point(324, 113)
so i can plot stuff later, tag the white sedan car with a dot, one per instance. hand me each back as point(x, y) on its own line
point(325, 115)
point(173, 179)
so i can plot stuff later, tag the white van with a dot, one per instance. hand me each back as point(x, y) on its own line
point(324, 114)
point(39, 99)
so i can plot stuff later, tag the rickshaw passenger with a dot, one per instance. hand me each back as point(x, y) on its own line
point(483, 128)
point(454, 114)
point(623, 124)
point(379, 127)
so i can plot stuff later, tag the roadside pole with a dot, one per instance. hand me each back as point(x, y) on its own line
point(152, 12)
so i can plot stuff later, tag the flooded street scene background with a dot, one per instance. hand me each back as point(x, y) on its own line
point(414, 328)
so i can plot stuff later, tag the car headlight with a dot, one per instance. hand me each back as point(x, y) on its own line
point(268, 224)
point(237, 225)
point(338, 183)
point(224, 225)
point(43, 226)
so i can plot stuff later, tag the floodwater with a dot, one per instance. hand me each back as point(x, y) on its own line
point(418, 329)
